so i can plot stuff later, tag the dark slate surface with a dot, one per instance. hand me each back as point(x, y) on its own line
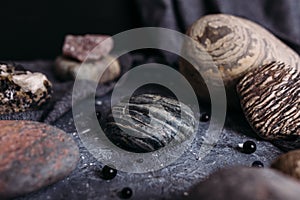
point(171, 182)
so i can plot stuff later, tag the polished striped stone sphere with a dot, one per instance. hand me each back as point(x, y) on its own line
point(149, 122)
point(270, 99)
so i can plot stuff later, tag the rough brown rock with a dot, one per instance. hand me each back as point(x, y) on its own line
point(33, 155)
point(21, 90)
point(90, 47)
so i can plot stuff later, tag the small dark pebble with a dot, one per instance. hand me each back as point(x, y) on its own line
point(248, 147)
point(108, 173)
point(126, 193)
point(205, 117)
point(257, 164)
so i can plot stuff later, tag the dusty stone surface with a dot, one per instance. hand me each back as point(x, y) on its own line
point(33, 155)
point(171, 182)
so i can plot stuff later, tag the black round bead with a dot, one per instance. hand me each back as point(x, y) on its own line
point(257, 164)
point(126, 193)
point(205, 117)
point(108, 173)
point(249, 147)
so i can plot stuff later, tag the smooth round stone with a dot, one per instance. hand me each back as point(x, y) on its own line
point(288, 163)
point(246, 183)
point(229, 46)
point(69, 69)
point(149, 122)
point(33, 155)
point(269, 97)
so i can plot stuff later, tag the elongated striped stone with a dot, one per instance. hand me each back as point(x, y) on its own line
point(149, 122)
point(270, 99)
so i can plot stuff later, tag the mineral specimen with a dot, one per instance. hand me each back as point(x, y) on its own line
point(21, 90)
point(90, 47)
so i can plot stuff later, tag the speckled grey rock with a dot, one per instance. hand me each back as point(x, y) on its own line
point(248, 184)
point(67, 69)
point(33, 155)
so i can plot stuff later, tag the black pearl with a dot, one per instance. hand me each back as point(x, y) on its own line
point(248, 147)
point(126, 193)
point(257, 164)
point(205, 117)
point(108, 173)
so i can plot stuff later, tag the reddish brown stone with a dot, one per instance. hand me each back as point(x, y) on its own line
point(88, 47)
point(33, 155)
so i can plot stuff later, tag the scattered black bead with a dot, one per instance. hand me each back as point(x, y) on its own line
point(205, 117)
point(108, 173)
point(257, 164)
point(249, 147)
point(126, 193)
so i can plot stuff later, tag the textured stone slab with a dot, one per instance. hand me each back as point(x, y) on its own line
point(87, 46)
point(69, 69)
point(247, 184)
point(33, 155)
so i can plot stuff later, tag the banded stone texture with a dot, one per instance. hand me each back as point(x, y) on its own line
point(270, 99)
point(150, 123)
point(229, 46)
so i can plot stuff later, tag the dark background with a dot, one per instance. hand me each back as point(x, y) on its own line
point(35, 29)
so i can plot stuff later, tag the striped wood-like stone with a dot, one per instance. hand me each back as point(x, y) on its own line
point(152, 122)
point(234, 45)
point(270, 99)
